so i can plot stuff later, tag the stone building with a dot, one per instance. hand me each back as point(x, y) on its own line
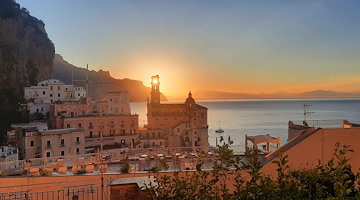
point(8, 154)
point(35, 141)
point(50, 91)
point(16, 137)
point(176, 126)
point(110, 118)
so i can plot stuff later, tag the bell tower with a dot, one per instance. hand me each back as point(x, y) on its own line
point(155, 90)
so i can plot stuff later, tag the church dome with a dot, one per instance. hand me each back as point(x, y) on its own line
point(190, 101)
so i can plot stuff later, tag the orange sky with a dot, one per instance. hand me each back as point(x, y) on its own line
point(234, 45)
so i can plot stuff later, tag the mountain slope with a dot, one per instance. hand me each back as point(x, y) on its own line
point(62, 70)
point(210, 94)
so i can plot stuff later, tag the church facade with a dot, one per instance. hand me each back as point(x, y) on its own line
point(179, 127)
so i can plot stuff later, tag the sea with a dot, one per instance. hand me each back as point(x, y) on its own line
point(264, 116)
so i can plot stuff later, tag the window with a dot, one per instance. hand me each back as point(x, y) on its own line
point(51, 88)
point(122, 141)
point(77, 150)
point(48, 144)
point(122, 124)
point(58, 95)
point(79, 125)
point(50, 95)
point(67, 125)
point(62, 153)
point(58, 87)
point(48, 154)
point(77, 140)
point(91, 125)
point(112, 132)
point(62, 142)
point(160, 143)
point(32, 143)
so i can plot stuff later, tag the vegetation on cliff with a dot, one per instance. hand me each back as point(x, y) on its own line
point(26, 55)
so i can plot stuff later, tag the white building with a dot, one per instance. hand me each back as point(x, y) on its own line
point(8, 154)
point(50, 91)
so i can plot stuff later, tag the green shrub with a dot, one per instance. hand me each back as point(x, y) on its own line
point(125, 168)
point(331, 180)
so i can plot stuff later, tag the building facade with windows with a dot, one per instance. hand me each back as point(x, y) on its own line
point(16, 138)
point(62, 142)
point(175, 126)
point(50, 91)
point(110, 118)
point(34, 140)
point(8, 154)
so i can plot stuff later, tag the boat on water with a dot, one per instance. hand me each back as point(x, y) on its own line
point(219, 130)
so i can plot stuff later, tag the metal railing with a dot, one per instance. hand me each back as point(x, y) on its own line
point(90, 191)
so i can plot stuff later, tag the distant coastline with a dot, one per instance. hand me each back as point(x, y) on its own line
point(317, 94)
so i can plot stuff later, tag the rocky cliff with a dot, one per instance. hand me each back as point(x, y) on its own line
point(26, 55)
point(26, 52)
point(63, 71)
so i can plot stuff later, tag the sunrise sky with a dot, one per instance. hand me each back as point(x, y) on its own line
point(232, 45)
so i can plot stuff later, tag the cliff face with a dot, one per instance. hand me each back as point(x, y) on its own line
point(26, 53)
point(137, 92)
point(26, 56)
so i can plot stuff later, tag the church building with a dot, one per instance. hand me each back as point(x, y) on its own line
point(178, 127)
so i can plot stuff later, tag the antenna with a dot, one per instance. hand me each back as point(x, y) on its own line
point(72, 76)
point(307, 111)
